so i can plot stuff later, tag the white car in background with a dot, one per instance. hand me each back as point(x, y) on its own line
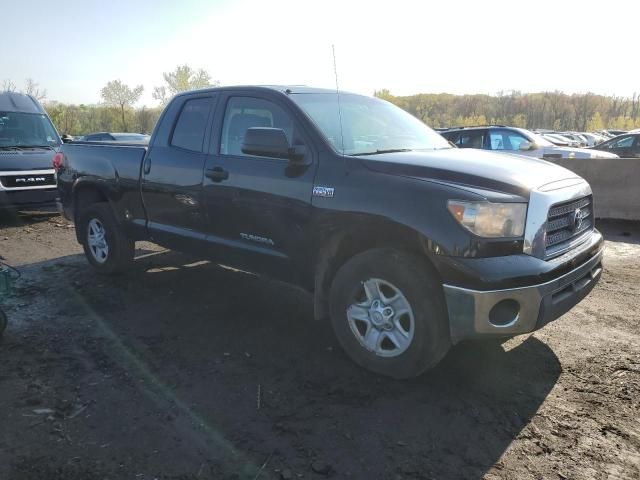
point(501, 138)
point(559, 140)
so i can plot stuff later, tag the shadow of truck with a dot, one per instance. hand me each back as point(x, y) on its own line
point(214, 367)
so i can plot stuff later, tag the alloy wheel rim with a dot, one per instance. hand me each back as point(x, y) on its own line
point(97, 241)
point(381, 318)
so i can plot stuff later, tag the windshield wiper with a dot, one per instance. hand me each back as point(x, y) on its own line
point(37, 146)
point(24, 147)
point(378, 152)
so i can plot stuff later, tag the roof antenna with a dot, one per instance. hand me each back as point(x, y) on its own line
point(335, 72)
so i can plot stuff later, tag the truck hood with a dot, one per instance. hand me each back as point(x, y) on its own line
point(479, 169)
point(16, 160)
point(572, 152)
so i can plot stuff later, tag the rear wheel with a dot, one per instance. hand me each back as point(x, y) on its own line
point(388, 313)
point(104, 241)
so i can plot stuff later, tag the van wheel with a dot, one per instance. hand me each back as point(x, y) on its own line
point(104, 241)
point(387, 310)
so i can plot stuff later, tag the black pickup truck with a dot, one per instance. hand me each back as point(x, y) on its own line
point(407, 244)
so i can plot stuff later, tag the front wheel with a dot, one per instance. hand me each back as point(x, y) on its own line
point(387, 310)
point(104, 241)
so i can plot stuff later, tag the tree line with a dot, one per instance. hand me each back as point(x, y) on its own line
point(117, 111)
point(550, 110)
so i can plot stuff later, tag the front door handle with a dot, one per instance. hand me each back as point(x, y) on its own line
point(217, 174)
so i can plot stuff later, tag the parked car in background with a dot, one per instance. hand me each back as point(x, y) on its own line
point(116, 137)
point(579, 140)
point(328, 192)
point(592, 139)
point(625, 146)
point(615, 133)
point(500, 138)
point(28, 144)
point(559, 140)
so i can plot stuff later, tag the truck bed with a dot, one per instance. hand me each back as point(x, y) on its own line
point(113, 167)
point(126, 158)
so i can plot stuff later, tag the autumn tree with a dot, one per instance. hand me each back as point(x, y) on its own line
point(595, 123)
point(553, 110)
point(117, 94)
point(183, 78)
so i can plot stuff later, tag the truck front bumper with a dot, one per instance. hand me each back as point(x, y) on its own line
point(514, 311)
point(17, 199)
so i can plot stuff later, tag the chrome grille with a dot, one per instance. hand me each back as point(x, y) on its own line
point(28, 180)
point(567, 224)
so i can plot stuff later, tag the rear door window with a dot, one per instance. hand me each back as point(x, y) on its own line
point(191, 125)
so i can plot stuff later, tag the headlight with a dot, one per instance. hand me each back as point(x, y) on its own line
point(487, 219)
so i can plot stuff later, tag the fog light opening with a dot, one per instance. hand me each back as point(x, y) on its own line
point(504, 313)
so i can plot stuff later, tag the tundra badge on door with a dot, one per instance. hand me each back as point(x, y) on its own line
point(326, 192)
point(257, 238)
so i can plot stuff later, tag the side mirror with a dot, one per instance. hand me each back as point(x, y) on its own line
point(272, 142)
point(526, 146)
point(266, 142)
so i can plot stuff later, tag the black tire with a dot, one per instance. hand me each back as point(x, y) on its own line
point(418, 283)
point(121, 249)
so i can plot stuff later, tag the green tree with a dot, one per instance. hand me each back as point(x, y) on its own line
point(555, 110)
point(384, 94)
point(183, 78)
point(117, 94)
point(146, 119)
point(519, 120)
point(595, 123)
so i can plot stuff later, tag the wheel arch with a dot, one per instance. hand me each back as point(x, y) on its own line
point(87, 193)
point(342, 243)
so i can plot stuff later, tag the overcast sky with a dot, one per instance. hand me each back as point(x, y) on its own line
point(72, 47)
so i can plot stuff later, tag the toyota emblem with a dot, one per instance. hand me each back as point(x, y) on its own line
point(577, 219)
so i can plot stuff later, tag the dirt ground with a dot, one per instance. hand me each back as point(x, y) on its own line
point(187, 370)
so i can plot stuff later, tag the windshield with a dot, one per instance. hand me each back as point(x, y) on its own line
point(26, 130)
point(369, 125)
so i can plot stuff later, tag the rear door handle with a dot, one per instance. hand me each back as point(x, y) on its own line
point(147, 165)
point(217, 174)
